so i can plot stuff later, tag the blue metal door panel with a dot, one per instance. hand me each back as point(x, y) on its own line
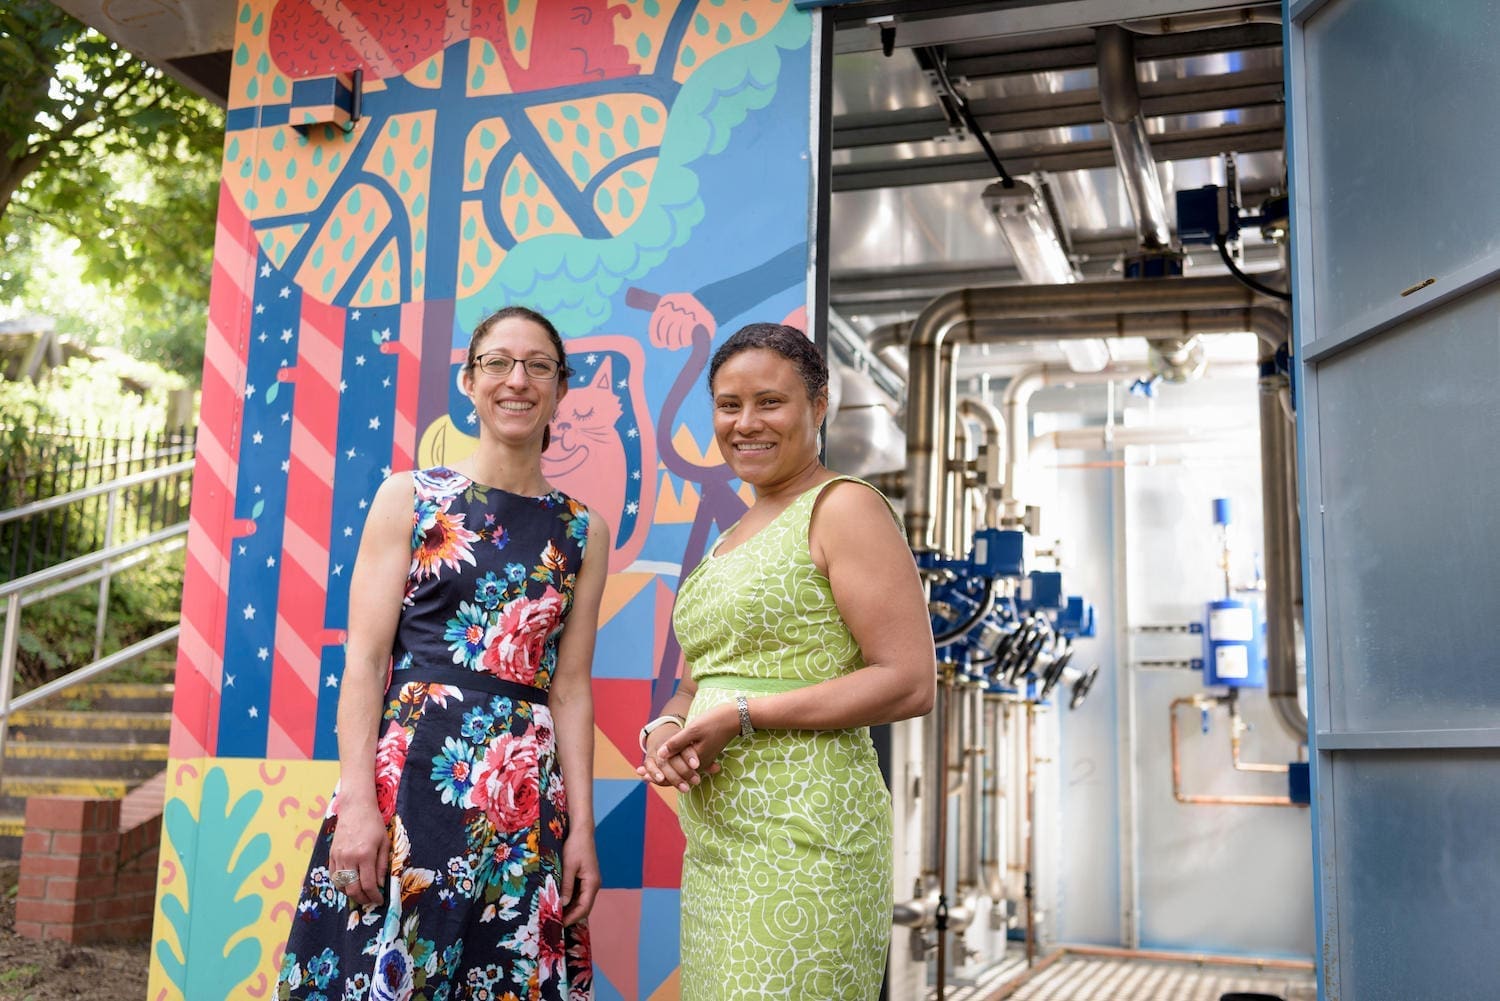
point(1393, 132)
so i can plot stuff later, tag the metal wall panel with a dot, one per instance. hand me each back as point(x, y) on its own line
point(1393, 136)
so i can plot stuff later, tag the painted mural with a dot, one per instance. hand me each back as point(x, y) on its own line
point(637, 170)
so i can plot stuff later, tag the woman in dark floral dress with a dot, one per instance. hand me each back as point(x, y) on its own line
point(457, 860)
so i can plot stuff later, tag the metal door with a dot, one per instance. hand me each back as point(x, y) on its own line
point(1395, 132)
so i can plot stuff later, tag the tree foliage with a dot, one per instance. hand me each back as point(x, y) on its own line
point(108, 150)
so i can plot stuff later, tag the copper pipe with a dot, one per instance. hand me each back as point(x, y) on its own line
point(1202, 701)
point(1197, 958)
point(1236, 727)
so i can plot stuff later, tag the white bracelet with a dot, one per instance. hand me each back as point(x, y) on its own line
point(681, 722)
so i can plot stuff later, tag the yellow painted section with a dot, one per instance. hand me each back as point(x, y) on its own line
point(723, 26)
point(672, 509)
point(293, 798)
point(351, 229)
point(12, 827)
point(483, 142)
point(123, 690)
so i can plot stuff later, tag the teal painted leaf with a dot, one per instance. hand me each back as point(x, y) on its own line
point(260, 505)
point(218, 862)
point(273, 391)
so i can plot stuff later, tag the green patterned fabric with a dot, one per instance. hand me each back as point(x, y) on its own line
point(786, 884)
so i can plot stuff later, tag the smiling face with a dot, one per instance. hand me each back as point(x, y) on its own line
point(513, 408)
point(764, 423)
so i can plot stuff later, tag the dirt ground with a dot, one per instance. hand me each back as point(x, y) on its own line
point(56, 971)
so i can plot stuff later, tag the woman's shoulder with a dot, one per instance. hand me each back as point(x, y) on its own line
point(851, 499)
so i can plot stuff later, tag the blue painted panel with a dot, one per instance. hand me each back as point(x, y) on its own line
point(1420, 893)
point(1396, 90)
point(1410, 472)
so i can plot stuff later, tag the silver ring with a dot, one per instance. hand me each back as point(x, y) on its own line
point(343, 877)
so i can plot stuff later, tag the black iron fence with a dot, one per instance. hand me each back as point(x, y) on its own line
point(41, 463)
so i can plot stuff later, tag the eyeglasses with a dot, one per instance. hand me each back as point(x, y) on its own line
point(500, 366)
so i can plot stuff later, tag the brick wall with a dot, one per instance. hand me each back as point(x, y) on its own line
point(82, 878)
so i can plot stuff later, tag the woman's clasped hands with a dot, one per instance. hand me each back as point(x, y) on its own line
point(680, 758)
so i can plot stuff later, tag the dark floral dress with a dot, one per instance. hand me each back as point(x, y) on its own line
point(466, 772)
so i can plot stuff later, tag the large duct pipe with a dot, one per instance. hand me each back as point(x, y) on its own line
point(1278, 479)
point(1120, 99)
point(930, 410)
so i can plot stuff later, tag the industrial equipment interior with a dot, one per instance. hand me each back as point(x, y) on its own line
point(1059, 312)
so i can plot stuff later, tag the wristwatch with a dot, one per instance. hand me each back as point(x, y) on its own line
point(668, 718)
point(744, 707)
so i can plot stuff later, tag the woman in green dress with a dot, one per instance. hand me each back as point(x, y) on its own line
point(805, 625)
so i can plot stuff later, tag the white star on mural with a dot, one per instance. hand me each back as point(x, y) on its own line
point(263, 653)
point(286, 335)
point(632, 507)
point(385, 472)
point(622, 384)
point(270, 561)
point(259, 308)
point(249, 612)
point(590, 358)
point(354, 315)
point(254, 712)
point(349, 454)
point(635, 475)
point(359, 359)
point(363, 503)
point(286, 465)
point(249, 391)
point(374, 423)
point(632, 433)
point(286, 291)
point(385, 334)
point(262, 337)
point(331, 681)
point(257, 438)
point(348, 531)
point(386, 382)
point(228, 681)
point(343, 385)
point(257, 488)
point(338, 569)
point(285, 418)
point(265, 270)
point(242, 550)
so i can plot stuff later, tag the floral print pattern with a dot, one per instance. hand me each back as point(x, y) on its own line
point(466, 779)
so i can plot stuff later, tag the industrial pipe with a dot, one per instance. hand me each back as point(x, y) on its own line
point(929, 408)
point(1202, 701)
point(1120, 99)
point(1282, 544)
point(991, 452)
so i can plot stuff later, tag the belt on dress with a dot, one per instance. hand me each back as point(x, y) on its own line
point(762, 686)
point(462, 678)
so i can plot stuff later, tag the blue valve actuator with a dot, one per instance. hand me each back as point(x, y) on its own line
point(1047, 590)
point(999, 553)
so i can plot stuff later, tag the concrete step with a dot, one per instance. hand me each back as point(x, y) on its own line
point(77, 759)
point(105, 725)
point(126, 696)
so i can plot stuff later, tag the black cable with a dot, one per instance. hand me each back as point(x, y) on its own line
point(1246, 279)
point(967, 113)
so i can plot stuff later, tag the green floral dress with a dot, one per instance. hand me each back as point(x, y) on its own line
point(786, 884)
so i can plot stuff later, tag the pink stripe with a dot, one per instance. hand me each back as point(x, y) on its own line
point(305, 550)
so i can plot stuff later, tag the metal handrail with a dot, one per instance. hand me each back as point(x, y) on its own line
point(97, 490)
point(94, 567)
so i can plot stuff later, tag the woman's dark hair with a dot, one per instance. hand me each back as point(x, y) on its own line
point(789, 342)
point(484, 326)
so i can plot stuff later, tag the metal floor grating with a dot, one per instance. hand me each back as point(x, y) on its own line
point(1092, 978)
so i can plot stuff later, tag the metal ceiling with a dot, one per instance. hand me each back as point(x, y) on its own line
point(907, 222)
